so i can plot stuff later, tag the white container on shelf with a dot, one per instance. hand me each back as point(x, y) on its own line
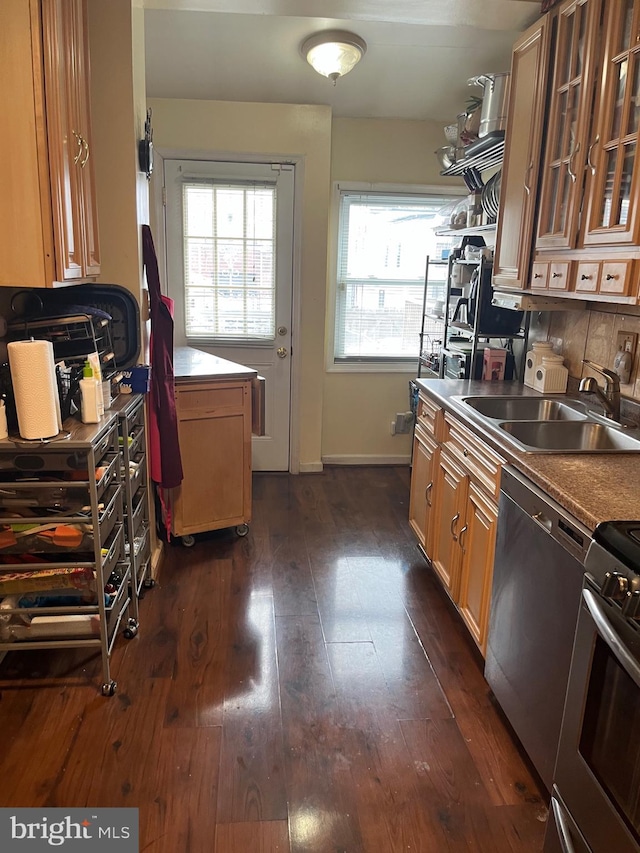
point(533, 360)
point(551, 376)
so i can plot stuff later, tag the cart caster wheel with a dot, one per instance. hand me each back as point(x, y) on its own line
point(109, 688)
point(242, 529)
point(188, 541)
point(131, 630)
point(149, 583)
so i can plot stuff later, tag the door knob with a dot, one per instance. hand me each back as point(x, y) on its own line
point(282, 352)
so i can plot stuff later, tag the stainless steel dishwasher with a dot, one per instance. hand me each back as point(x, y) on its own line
point(537, 582)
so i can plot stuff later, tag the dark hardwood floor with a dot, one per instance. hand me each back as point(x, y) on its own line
point(306, 688)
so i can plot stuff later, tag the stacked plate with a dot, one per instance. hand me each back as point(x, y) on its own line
point(490, 197)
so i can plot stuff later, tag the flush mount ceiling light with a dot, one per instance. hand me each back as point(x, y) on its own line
point(333, 53)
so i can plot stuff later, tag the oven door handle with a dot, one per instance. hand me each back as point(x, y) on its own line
point(562, 826)
point(626, 660)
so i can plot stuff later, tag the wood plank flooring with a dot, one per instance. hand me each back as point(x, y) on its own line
point(306, 689)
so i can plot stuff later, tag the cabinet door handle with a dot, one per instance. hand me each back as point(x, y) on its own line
point(610, 277)
point(454, 521)
point(572, 174)
point(537, 275)
point(85, 145)
point(556, 275)
point(461, 535)
point(527, 188)
point(584, 277)
point(427, 493)
point(589, 160)
point(79, 141)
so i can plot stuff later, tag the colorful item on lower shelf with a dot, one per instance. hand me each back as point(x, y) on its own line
point(39, 580)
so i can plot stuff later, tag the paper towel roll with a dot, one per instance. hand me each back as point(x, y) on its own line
point(34, 388)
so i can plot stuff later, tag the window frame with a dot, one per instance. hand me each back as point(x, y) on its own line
point(368, 364)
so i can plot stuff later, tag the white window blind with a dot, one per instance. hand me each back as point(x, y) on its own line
point(383, 242)
point(229, 259)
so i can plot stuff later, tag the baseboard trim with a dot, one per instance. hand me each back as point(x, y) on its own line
point(365, 459)
point(310, 467)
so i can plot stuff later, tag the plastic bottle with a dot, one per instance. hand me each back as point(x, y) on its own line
point(90, 390)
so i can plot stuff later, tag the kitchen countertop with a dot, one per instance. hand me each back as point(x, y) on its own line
point(593, 487)
point(191, 364)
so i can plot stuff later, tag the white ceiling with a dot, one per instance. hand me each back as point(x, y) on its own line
point(420, 53)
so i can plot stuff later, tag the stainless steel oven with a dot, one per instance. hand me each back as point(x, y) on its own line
point(596, 793)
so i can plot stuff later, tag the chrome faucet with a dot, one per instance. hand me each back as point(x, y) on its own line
point(610, 396)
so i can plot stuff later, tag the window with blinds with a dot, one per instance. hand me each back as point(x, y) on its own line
point(383, 242)
point(229, 260)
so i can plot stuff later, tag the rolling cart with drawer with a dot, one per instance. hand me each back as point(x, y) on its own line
point(64, 576)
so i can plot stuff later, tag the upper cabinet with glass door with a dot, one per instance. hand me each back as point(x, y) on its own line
point(612, 175)
point(568, 124)
point(588, 233)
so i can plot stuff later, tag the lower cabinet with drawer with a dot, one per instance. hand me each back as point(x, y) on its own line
point(214, 427)
point(455, 485)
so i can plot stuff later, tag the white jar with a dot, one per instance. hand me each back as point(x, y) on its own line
point(533, 360)
point(551, 376)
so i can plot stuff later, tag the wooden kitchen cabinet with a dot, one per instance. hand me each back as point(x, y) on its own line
point(588, 229)
point(459, 514)
point(477, 540)
point(48, 214)
point(450, 488)
point(424, 460)
point(521, 164)
point(214, 428)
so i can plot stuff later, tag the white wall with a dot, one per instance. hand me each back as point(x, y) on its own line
point(244, 130)
point(359, 407)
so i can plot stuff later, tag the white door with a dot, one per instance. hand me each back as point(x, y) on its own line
point(230, 272)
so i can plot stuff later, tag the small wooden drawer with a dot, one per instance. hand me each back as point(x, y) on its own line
point(587, 277)
point(429, 416)
point(197, 400)
point(483, 463)
point(540, 275)
point(559, 275)
point(616, 277)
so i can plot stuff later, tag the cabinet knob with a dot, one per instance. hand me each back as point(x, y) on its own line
point(610, 277)
point(556, 275)
point(537, 275)
point(584, 277)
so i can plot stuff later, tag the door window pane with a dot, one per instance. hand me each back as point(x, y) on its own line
point(566, 36)
point(619, 101)
point(625, 185)
point(229, 260)
point(609, 187)
point(582, 26)
point(634, 111)
point(553, 196)
point(558, 146)
point(625, 31)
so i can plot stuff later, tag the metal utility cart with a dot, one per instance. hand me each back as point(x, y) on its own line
point(64, 577)
point(133, 445)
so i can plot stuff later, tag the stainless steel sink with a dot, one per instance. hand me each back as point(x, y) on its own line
point(526, 408)
point(571, 437)
point(549, 424)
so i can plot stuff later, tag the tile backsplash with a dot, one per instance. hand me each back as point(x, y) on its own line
point(591, 334)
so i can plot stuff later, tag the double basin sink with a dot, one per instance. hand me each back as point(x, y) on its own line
point(551, 425)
